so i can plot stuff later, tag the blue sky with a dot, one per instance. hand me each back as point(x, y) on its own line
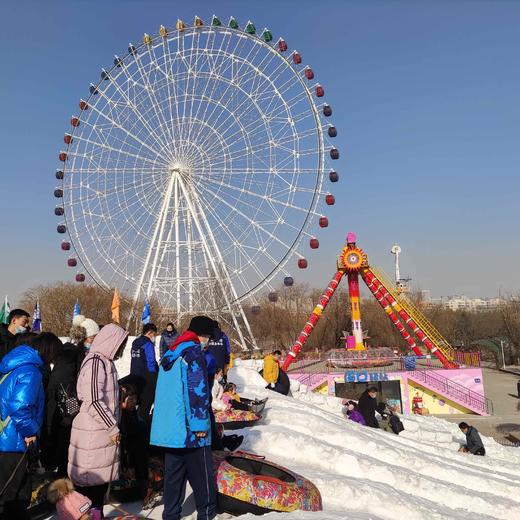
point(426, 97)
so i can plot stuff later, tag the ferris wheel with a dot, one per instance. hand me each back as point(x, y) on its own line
point(194, 171)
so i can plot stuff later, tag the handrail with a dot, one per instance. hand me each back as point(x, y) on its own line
point(416, 314)
point(453, 389)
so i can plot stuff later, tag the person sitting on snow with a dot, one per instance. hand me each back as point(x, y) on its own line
point(232, 399)
point(272, 370)
point(351, 412)
point(217, 393)
point(389, 421)
point(474, 443)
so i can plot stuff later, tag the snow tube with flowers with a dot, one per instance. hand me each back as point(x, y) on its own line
point(234, 419)
point(248, 483)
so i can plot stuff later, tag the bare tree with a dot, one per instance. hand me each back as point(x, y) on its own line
point(57, 304)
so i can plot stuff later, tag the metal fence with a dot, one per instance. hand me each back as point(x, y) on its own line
point(327, 363)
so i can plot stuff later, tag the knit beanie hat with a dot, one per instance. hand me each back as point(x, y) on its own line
point(202, 326)
point(73, 506)
point(90, 326)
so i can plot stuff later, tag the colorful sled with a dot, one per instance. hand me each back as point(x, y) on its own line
point(247, 483)
point(234, 419)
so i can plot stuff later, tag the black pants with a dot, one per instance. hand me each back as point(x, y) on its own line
point(61, 438)
point(277, 388)
point(147, 396)
point(216, 439)
point(15, 499)
point(193, 465)
point(95, 493)
point(238, 405)
point(135, 443)
point(15, 509)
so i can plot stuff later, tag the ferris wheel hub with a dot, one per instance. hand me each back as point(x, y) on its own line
point(179, 168)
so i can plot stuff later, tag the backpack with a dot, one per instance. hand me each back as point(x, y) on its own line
point(4, 422)
point(396, 424)
point(68, 405)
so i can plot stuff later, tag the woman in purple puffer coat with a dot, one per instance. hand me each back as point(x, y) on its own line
point(350, 411)
point(95, 431)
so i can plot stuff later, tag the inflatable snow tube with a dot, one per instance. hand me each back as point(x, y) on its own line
point(247, 483)
point(255, 406)
point(283, 381)
point(235, 419)
point(250, 405)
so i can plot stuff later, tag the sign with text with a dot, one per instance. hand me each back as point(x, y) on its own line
point(363, 376)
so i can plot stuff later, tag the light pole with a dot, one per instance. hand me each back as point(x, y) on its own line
point(503, 357)
point(396, 250)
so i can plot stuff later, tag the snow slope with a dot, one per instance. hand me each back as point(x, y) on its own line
point(365, 473)
point(369, 474)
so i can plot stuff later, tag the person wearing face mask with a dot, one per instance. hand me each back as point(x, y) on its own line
point(144, 365)
point(62, 384)
point(181, 422)
point(168, 338)
point(17, 323)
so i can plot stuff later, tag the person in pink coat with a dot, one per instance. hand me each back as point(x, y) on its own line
point(95, 432)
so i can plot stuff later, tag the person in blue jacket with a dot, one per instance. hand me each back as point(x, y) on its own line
point(22, 403)
point(219, 348)
point(144, 365)
point(181, 422)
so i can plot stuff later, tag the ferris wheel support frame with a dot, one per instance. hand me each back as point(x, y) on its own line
point(160, 224)
point(163, 215)
point(215, 270)
point(177, 250)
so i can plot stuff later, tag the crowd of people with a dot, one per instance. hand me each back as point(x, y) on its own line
point(64, 406)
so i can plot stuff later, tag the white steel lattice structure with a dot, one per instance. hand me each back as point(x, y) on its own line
point(194, 170)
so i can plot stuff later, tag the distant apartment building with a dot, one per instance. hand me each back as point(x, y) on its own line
point(463, 303)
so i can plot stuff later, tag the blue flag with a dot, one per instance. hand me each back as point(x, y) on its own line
point(147, 313)
point(76, 311)
point(37, 318)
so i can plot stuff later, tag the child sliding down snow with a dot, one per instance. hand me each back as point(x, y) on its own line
point(230, 396)
point(351, 412)
point(217, 393)
point(70, 505)
point(232, 399)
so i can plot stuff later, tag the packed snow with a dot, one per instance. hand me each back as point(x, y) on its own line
point(364, 473)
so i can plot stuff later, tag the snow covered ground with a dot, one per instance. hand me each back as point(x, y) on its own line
point(369, 474)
